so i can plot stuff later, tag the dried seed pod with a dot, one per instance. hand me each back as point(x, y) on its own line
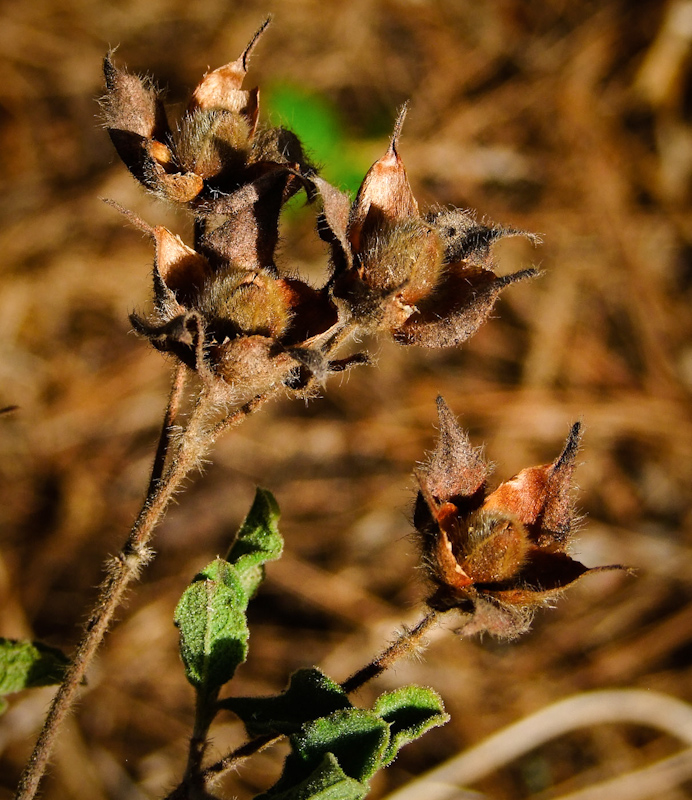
point(403, 258)
point(426, 280)
point(456, 470)
point(500, 556)
point(248, 237)
point(244, 302)
point(457, 306)
point(466, 239)
point(134, 116)
point(385, 197)
point(179, 272)
point(222, 88)
point(227, 314)
point(213, 144)
point(216, 148)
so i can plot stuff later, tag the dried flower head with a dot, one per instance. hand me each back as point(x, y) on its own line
point(498, 556)
point(427, 280)
point(225, 311)
point(215, 149)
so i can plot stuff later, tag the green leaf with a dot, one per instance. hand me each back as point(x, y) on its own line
point(25, 664)
point(410, 712)
point(310, 694)
point(257, 541)
point(333, 757)
point(357, 739)
point(211, 613)
point(213, 629)
point(327, 782)
point(318, 122)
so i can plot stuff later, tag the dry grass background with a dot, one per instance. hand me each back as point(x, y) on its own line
point(567, 118)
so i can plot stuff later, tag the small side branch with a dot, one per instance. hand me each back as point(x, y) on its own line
point(408, 642)
point(218, 769)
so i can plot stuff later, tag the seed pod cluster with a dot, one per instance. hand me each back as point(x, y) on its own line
point(243, 328)
point(495, 556)
point(224, 307)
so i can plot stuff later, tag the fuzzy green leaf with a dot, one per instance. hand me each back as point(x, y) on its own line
point(327, 782)
point(213, 629)
point(410, 712)
point(356, 739)
point(211, 612)
point(310, 694)
point(257, 542)
point(25, 664)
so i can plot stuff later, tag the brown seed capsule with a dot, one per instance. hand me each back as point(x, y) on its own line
point(213, 144)
point(426, 280)
point(236, 323)
point(242, 302)
point(499, 557)
point(222, 88)
point(183, 270)
point(404, 259)
point(385, 196)
point(213, 152)
point(496, 546)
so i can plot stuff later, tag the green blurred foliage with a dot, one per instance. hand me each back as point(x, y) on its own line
point(319, 124)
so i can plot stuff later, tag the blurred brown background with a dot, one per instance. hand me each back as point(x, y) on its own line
point(570, 119)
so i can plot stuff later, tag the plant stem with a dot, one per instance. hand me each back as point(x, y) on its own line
point(407, 642)
point(168, 420)
point(205, 711)
point(127, 565)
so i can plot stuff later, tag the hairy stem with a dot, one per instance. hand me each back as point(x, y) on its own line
point(164, 439)
point(205, 711)
point(127, 565)
point(407, 642)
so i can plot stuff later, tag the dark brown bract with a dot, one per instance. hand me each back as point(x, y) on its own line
point(497, 556)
